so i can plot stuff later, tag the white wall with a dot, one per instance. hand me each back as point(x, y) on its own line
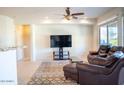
point(81, 39)
point(7, 32)
point(108, 15)
point(8, 69)
point(95, 37)
point(19, 42)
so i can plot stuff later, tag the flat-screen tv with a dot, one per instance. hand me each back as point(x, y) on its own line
point(60, 41)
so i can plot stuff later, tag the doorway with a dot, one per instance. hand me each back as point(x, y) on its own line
point(23, 36)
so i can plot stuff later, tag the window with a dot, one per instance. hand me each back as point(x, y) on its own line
point(103, 35)
point(112, 34)
point(109, 34)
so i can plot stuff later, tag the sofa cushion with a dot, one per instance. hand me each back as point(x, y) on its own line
point(109, 60)
point(114, 49)
point(93, 52)
point(104, 61)
point(93, 69)
point(118, 54)
point(122, 49)
point(103, 50)
point(103, 54)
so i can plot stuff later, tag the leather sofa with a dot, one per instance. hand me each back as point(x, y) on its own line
point(70, 71)
point(104, 52)
point(101, 70)
point(91, 74)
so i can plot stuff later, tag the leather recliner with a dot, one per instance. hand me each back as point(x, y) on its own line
point(102, 52)
point(103, 70)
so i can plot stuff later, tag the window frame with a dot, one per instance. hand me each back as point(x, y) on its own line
point(107, 26)
point(100, 34)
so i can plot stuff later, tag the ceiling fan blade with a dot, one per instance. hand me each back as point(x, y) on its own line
point(77, 14)
point(67, 10)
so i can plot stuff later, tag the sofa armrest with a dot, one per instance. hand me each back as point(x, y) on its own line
point(99, 61)
point(80, 62)
point(90, 68)
point(93, 52)
point(104, 61)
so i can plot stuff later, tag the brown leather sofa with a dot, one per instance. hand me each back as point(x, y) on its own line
point(101, 70)
point(70, 71)
point(104, 53)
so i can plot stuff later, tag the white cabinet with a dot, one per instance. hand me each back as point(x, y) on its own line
point(8, 67)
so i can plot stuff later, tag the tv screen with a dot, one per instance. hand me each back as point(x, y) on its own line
point(60, 41)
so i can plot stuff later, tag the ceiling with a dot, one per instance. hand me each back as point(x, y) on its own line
point(33, 14)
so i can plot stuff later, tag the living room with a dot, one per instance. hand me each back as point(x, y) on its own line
point(29, 31)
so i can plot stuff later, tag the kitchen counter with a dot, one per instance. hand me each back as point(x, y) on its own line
point(8, 66)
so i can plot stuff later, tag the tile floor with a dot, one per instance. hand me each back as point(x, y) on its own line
point(51, 73)
point(26, 69)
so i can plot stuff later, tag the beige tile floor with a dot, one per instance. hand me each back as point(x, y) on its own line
point(25, 71)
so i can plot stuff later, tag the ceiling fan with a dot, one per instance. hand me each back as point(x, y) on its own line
point(70, 15)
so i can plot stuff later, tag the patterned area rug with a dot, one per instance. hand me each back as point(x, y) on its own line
point(50, 73)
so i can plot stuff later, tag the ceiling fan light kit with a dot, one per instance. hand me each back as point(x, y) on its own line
point(69, 15)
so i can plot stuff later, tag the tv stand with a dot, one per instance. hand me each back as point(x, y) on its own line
point(61, 55)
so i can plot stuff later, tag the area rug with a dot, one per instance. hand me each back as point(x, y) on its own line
point(50, 73)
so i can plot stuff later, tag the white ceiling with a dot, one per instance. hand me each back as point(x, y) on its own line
point(33, 14)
